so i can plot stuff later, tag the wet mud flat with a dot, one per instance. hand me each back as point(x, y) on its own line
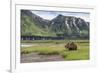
point(34, 57)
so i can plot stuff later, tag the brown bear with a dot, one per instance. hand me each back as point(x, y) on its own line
point(71, 46)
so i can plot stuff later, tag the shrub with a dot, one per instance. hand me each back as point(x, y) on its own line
point(49, 53)
point(64, 54)
point(25, 52)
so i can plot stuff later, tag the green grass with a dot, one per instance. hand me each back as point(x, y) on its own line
point(54, 41)
point(56, 47)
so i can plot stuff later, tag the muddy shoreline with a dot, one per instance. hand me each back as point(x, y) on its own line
point(34, 57)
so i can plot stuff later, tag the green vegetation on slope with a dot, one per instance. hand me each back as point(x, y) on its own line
point(30, 27)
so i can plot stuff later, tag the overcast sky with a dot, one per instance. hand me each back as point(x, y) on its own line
point(52, 14)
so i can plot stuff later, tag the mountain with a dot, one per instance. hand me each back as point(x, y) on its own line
point(69, 26)
point(32, 24)
point(64, 26)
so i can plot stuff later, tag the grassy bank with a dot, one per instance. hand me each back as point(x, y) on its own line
point(57, 47)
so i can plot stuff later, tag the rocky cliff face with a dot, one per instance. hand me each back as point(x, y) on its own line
point(69, 25)
point(65, 26)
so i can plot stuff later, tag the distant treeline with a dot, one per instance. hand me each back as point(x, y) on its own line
point(41, 38)
point(47, 38)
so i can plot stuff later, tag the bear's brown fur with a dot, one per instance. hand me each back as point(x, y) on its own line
point(71, 46)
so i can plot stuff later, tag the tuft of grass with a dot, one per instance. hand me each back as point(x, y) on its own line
point(25, 52)
point(64, 54)
point(49, 53)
